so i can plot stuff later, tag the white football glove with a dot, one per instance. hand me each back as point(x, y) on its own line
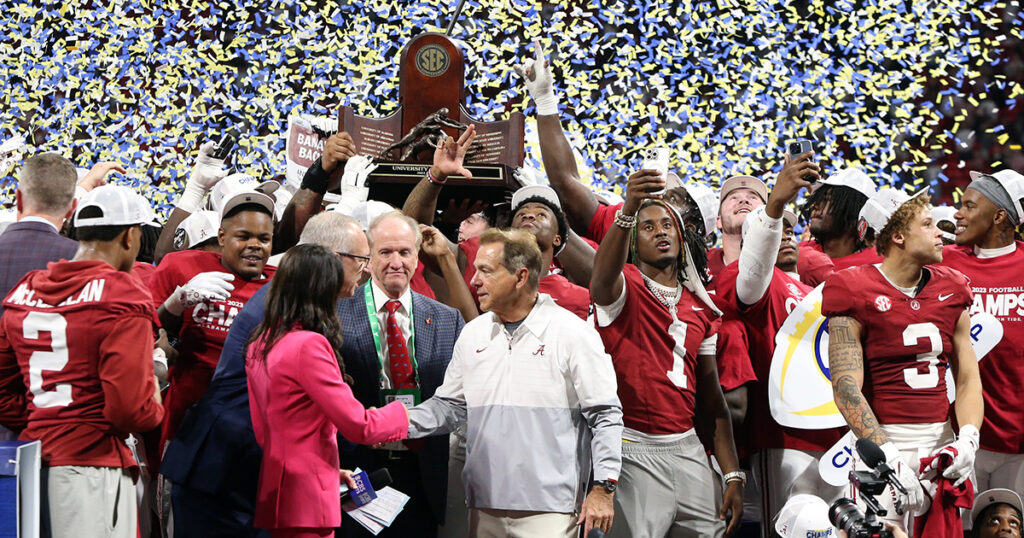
point(202, 287)
point(205, 174)
point(357, 169)
point(963, 451)
point(915, 501)
point(541, 87)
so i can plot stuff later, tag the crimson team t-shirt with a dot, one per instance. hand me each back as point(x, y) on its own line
point(867, 256)
point(203, 327)
point(656, 397)
point(998, 288)
point(907, 340)
point(76, 346)
point(763, 320)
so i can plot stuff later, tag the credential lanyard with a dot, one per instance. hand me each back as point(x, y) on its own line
point(371, 312)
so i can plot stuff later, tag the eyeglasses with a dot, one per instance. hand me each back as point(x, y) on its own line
point(361, 260)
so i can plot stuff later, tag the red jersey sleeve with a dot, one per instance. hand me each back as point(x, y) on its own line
point(814, 266)
point(838, 297)
point(602, 220)
point(126, 374)
point(164, 280)
point(13, 401)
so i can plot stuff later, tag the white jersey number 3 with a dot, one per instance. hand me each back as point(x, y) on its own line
point(677, 375)
point(54, 360)
point(913, 376)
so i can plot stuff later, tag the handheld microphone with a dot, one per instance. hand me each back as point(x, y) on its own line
point(379, 479)
point(874, 457)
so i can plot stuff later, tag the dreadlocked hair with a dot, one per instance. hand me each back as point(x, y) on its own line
point(691, 242)
point(844, 205)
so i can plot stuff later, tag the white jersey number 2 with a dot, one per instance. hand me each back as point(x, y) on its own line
point(54, 360)
point(677, 375)
point(913, 376)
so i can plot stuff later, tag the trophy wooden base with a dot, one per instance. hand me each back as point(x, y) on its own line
point(392, 182)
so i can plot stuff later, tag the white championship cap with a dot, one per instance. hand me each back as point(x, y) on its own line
point(366, 212)
point(707, 202)
point(1013, 183)
point(609, 197)
point(944, 213)
point(995, 496)
point(247, 197)
point(227, 187)
point(543, 192)
point(852, 178)
point(195, 229)
point(880, 207)
point(804, 516)
point(118, 205)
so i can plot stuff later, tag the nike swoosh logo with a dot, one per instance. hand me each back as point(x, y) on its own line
point(697, 308)
point(481, 350)
point(944, 297)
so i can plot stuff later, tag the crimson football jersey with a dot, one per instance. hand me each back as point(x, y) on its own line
point(907, 341)
point(76, 348)
point(763, 320)
point(602, 220)
point(655, 360)
point(998, 288)
point(567, 295)
point(716, 262)
point(814, 266)
point(867, 256)
point(203, 327)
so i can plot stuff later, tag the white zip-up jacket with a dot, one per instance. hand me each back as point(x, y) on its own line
point(539, 405)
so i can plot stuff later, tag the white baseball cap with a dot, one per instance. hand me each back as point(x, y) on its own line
point(944, 213)
point(247, 197)
point(854, 179)
point(707, 202)
point(118, 205)
point(880, 207)
point(281, 199)
point(804, 515)
point(1013, 183)
point(543, 192)
point(196, 228)
point(366, 212)
point(234, 183)
point(609, 197)
point(995, 496)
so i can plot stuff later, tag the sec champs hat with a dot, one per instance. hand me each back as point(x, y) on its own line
point(195, 229)
point(118, 206)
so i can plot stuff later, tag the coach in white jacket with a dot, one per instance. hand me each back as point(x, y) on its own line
point(537, 392)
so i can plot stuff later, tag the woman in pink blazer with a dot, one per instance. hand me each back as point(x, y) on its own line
point(300, 400)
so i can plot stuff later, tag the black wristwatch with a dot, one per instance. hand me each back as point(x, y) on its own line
point(608, 485)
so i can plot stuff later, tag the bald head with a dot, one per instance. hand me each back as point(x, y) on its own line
point(46, 185)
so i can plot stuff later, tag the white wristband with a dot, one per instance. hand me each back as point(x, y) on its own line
point(547, 105)
point(173, 303)
point(191, 200)
point(159, 356)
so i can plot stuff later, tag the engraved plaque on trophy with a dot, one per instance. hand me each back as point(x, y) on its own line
point(431, 96)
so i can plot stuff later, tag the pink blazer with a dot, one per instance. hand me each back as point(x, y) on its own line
point(299, 403)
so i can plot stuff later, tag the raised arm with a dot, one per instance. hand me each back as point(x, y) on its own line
point(764, 235)
point(435, 246)
point(606, 281)
point(556, 153)
point(577, 259)
point(307, 201)
point(205, 174)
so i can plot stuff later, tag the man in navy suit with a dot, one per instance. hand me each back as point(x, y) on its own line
point(45, 197)
point(397, 345)
point(214, 460)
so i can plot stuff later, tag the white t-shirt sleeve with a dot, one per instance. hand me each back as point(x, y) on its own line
point(709, 346)
point(608, 313)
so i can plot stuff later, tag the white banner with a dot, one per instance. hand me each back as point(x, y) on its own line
point(303, 146)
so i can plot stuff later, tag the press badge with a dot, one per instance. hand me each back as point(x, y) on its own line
point(409, 397)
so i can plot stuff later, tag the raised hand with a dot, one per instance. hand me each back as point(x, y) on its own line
point(536, 73)
point(642, 184)
point(97, 176)
point(449, 155)
point(339, 148)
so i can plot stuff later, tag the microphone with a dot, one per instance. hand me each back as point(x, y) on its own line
point(596, 532)
point(874, 457)
point(379, 479)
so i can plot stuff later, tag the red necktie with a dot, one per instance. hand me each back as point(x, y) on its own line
point(398, 352)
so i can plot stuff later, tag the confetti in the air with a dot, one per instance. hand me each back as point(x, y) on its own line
point(909, 91)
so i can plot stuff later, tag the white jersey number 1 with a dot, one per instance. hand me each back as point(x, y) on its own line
point(677, 375)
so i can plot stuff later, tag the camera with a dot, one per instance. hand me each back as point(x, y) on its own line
point(846, 515)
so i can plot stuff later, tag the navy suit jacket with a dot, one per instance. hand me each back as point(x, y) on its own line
point(27, 246)
point(436, 328)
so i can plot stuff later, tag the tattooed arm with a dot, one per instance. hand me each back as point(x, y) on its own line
point(846, 364)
